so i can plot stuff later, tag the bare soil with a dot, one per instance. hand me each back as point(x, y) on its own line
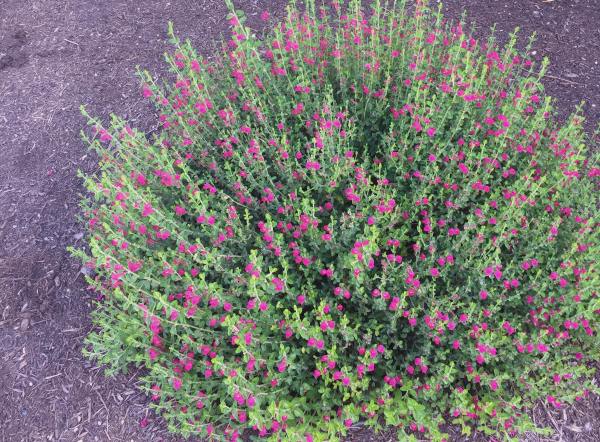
point(58, 54)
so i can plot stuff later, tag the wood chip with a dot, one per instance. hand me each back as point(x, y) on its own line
point(24, 324)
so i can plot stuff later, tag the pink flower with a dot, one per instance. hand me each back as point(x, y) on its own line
point(494, 384)
point(141, 179)
point(417, 125)
point(134, 266)
point(105, 136)
point(278, 283)
point(298, 109)
point(155, 325)
point(176, 383)
point(315, 165)
point(148, 210)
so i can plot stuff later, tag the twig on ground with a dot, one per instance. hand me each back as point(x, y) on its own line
point(562, 79)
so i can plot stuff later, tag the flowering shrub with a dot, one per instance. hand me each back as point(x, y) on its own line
point(364, 216)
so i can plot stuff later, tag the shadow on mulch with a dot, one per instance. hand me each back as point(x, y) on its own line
point(58, 54)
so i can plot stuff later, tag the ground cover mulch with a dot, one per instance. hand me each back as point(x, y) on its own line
point(58, 54)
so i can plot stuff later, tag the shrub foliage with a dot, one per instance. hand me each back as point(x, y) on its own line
point(363, 216)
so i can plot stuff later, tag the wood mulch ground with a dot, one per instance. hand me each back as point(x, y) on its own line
point(58, 54)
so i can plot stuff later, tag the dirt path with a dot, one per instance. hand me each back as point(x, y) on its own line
point(58, 54)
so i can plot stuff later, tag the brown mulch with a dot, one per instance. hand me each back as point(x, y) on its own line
point(58, 54)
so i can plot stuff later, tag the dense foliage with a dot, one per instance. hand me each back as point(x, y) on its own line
point(365, 216)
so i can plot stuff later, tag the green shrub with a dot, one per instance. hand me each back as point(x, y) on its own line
point(362, 216)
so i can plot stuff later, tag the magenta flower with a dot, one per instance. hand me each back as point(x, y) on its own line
point(278, 284)
point(177, 383)
point(147, 210)
point(134, 266)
